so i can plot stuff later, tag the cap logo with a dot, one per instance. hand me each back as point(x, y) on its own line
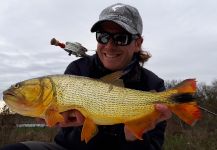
point(114, 8)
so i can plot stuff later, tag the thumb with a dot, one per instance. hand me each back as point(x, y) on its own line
point(165, 113)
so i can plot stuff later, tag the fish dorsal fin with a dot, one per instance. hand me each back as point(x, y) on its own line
point(113, 78)
point(118, 82)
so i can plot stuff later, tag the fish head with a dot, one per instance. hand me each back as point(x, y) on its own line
point(29, 97)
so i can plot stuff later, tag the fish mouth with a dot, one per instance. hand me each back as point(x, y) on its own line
point(12, 100)
point(8, 93)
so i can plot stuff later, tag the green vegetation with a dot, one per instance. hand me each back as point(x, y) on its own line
point(179, 136)
point(202, 136)
point(12, 135)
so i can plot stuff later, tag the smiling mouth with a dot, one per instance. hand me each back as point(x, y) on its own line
point(112, 55)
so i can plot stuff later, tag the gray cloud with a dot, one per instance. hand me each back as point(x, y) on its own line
point(181, 36)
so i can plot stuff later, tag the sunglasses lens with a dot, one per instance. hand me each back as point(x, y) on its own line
point(102, 37)
point(120, 39)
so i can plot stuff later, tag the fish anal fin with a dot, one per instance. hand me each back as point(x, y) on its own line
point(89, 130)
point(143, 124)
point(52, 116)
point(111, 78)
point(188, 112)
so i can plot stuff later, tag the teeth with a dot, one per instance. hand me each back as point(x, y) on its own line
point(111, 56)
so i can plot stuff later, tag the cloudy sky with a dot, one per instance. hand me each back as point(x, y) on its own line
point(180, 35)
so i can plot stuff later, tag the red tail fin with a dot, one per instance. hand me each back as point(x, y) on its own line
point(187, 86)
point(189, 112)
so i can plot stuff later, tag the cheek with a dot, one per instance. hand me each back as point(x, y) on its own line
point(100, 47)
point(31, 93)
point(134, 47)
point(100, 50)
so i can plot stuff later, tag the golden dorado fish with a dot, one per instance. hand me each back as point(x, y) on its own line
point(100, 101)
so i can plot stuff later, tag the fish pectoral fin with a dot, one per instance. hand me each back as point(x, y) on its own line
point(188, 112)
point(113, 77)
point(52, 116)
point(89, 130)
point(142, 125)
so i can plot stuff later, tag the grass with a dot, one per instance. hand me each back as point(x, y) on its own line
point(192, 139)
point(178, 136)
point(203, 136)
point(10, 135)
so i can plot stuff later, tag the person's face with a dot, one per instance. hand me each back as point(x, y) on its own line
point(116, 57)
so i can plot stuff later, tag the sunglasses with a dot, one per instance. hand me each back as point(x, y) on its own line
point(120, 39)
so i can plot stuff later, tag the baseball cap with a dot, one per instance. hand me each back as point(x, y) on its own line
point(124, 15)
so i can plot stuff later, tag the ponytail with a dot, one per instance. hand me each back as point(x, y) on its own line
point(143, 57)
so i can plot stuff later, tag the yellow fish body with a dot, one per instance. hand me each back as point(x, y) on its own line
point(100, 102)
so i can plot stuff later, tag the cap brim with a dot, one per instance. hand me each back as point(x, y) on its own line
point(129, 29)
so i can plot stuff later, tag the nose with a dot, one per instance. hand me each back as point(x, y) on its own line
point(110, 45)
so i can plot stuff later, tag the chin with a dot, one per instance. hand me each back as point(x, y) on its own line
point(112, 67)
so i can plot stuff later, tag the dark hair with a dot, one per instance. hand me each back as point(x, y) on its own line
point(143, 57)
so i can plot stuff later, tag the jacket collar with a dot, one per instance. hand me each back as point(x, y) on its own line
point(133, 70)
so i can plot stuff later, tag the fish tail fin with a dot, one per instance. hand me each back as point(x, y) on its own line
point(188, 112)
point(186, 86)
point(185, 107)
point(184, 91)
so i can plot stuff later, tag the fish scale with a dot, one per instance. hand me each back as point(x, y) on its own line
point(95, 97)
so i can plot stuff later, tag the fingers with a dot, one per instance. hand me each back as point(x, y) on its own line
point(128, 135)
point(79, 116)
point(165, 112)
point(72, 118)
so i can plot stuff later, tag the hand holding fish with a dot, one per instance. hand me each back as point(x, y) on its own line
point(72, 118)
point(165, 114)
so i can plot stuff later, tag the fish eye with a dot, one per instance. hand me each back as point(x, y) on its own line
point(17, 85)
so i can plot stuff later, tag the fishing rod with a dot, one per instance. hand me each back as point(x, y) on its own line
point(208, 111)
